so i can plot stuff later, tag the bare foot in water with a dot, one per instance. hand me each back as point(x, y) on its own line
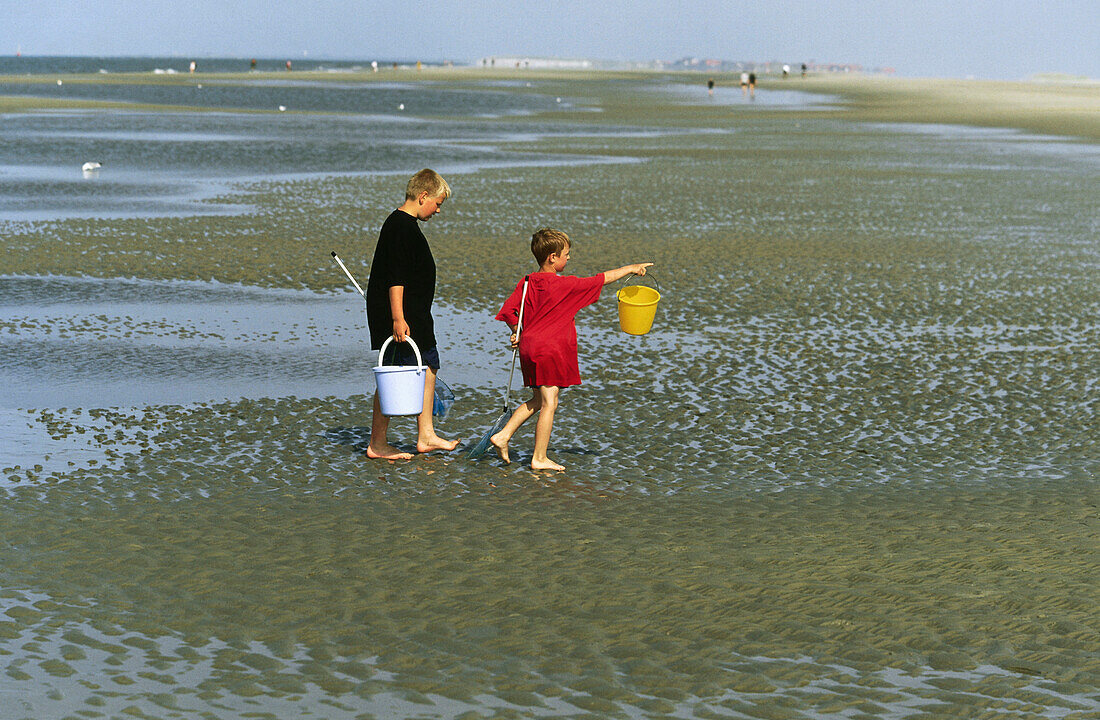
point(501, 446)
point(546, 464)
point(435, 443)
point(387, 452)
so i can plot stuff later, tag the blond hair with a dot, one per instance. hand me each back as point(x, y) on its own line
point(547, 241)
point(427, 181)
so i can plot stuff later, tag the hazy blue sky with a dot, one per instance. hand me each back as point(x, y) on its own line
point(985, 38)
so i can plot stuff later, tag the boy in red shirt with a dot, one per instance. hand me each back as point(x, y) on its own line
point(548, 338)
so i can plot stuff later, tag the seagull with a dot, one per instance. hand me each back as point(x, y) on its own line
point(90, 166)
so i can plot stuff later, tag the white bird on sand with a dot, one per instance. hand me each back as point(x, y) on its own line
point(90, 166)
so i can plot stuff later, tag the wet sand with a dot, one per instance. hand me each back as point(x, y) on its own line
point(852, 473)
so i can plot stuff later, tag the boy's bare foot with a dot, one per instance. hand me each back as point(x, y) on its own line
point(501, 446)
point(387, 452)
point(546, 464)
point(435, 443)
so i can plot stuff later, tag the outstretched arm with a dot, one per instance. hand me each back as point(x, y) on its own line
point(611, 276)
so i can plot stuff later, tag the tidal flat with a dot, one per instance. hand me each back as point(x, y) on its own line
point(851, 473)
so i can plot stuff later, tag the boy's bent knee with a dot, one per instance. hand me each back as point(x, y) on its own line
point(548, 396)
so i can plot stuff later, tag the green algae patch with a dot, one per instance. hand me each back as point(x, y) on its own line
point(57, 668)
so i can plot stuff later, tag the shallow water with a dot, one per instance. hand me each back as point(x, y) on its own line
point(96, 343)
point(89, 343)
point(731, 94)
point(851, 472)
point(169, 163)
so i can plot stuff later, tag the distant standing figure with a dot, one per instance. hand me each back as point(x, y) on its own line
point(803, 69)
point(710, 86)
point(374, 65)
point(192, 67)
point(744, 82)
point(786, 70)
point(288, 65)
point(252, 65)
point(752, 85)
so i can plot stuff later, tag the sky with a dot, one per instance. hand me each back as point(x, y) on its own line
point(998, 39)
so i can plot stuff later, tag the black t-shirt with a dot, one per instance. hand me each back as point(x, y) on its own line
point(402, 257)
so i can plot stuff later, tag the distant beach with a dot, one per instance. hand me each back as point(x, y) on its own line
point(1051, 105)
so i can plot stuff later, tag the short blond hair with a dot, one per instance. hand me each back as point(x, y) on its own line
point(427, 181)
point(547, 241)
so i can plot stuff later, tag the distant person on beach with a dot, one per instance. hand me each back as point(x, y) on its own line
point(400, 291)
point(288, 65)
point(786, 71)
point(710, 86)
point(744, 82)
point(752, 85)
point(252, 65)
point(803, 69)
point(192, 70)
point(547, 340)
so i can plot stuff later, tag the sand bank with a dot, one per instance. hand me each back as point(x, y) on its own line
point(1055, 108)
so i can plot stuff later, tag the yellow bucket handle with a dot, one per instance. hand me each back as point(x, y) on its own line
point(648, 274)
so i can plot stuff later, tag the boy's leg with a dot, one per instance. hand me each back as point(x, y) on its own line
point(549, 396)
point(521, 415)
point(379, 426)
point(426, 439)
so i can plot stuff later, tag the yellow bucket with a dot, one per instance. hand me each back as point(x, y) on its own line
point(637, 307)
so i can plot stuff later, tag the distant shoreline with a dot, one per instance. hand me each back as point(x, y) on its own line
point(1054, 105)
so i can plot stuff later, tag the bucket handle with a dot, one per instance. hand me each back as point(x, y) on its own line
point(409, 340)
point(648, 274)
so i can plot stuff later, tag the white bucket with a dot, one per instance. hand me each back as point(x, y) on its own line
point(401, 387)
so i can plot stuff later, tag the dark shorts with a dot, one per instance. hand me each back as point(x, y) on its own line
point(402, 354)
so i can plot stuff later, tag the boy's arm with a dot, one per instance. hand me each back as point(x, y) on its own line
point(510, 310)
point(397, 311)
point(611, 276)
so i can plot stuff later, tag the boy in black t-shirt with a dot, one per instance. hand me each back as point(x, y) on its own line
point(400, 291)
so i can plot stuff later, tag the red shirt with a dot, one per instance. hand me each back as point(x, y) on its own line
point(548, 338)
